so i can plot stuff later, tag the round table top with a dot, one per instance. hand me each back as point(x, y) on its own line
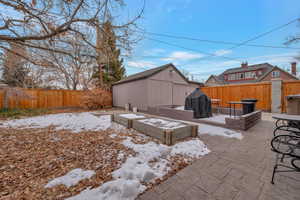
point(286, 117)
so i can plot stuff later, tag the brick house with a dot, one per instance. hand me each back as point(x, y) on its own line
point(251, 74)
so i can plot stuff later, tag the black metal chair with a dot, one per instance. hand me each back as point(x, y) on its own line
point(286, 129)
point(286, 147)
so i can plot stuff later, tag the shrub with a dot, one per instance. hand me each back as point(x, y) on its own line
point(97, 98)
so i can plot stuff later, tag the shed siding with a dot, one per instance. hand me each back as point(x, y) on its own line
point(168, 88)
point(180, 92)
point(159, 93)
point(166, 75)
point(134, 92)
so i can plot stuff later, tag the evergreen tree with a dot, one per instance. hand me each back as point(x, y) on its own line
point(111, 62)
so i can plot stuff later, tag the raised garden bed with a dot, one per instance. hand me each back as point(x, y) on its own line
point(126, 118)
point(167, 131)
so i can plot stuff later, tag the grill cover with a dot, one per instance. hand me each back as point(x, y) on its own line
point(199, 103)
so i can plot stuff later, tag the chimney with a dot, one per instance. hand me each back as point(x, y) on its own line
point(294, 68)
point(244, 64)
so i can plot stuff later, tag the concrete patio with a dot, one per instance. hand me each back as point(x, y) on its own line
point(235, 169)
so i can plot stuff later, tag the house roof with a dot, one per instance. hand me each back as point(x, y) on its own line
point(266, 69)
point(151, 72)
point(249, 68)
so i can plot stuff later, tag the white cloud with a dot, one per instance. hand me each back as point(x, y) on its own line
point(182, 56)
point(222, 52)
point(141, 64)
point(153, 52)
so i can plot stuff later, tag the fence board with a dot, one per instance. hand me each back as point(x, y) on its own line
point(226, 93)
point(46, 99)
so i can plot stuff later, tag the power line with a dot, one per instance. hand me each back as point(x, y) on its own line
point(190, 49)
point(244, 43)
point(265, 33)
point(217, 41)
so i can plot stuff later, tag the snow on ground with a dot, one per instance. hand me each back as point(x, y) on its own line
point(161, 123)
point(179, 108)
point(132, 116)
point(71, 178)
point(150, 163)
point(215, 130)
point(217, 118)
point(75, 122)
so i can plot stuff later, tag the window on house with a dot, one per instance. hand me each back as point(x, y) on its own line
point(250, 75)
point(231, 77)
point(275, 74)
point(240, 76)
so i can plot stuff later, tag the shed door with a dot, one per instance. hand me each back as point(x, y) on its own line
point(160, 93)
point(180, 91)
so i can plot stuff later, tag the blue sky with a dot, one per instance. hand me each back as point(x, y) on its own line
point(230, 20)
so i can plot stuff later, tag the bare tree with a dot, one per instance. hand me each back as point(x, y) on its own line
point(42, 25)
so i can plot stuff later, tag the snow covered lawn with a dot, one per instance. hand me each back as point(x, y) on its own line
point(103, 160)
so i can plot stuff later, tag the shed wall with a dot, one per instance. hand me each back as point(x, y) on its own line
point(168, 88)
point(134, 92)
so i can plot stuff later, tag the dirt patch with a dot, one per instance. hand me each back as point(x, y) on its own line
point(30, 158)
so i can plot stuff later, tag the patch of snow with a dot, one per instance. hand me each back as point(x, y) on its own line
point(132, 116)
point(161, 123)
point(119, 189)
point(215, 130)
point(179, 108)
point(150, 163)
point(192, 148)
point(114, 135)
point(217, 118)
point(75, 122)
point(71, 178)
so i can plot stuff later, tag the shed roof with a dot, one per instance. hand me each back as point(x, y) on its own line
point(151, 72)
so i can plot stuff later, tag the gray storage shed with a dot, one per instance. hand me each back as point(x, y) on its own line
point(164, 85)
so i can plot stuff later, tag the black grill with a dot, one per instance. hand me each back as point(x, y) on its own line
point(199, 103)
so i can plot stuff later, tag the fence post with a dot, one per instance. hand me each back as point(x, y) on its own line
point(276, 96)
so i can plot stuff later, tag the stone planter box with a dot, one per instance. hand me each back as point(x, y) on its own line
point(126, 118)
point(241, 122)
point(167, 135)
point(244, 122)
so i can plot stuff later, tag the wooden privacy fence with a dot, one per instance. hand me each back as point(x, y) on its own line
point(40, 98)
point(260, 91)
point(226, 93)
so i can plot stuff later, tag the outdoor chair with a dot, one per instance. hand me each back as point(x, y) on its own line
point(290, 128)
point(287, 149)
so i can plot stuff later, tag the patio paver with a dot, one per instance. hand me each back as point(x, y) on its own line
point(234, 170)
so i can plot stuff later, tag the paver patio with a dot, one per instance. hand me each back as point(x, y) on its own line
point(235, 169)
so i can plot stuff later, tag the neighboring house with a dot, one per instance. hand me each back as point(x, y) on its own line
point(164, 85)
point(252, 73)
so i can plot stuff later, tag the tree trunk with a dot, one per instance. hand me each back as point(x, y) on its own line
point(99, 54)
